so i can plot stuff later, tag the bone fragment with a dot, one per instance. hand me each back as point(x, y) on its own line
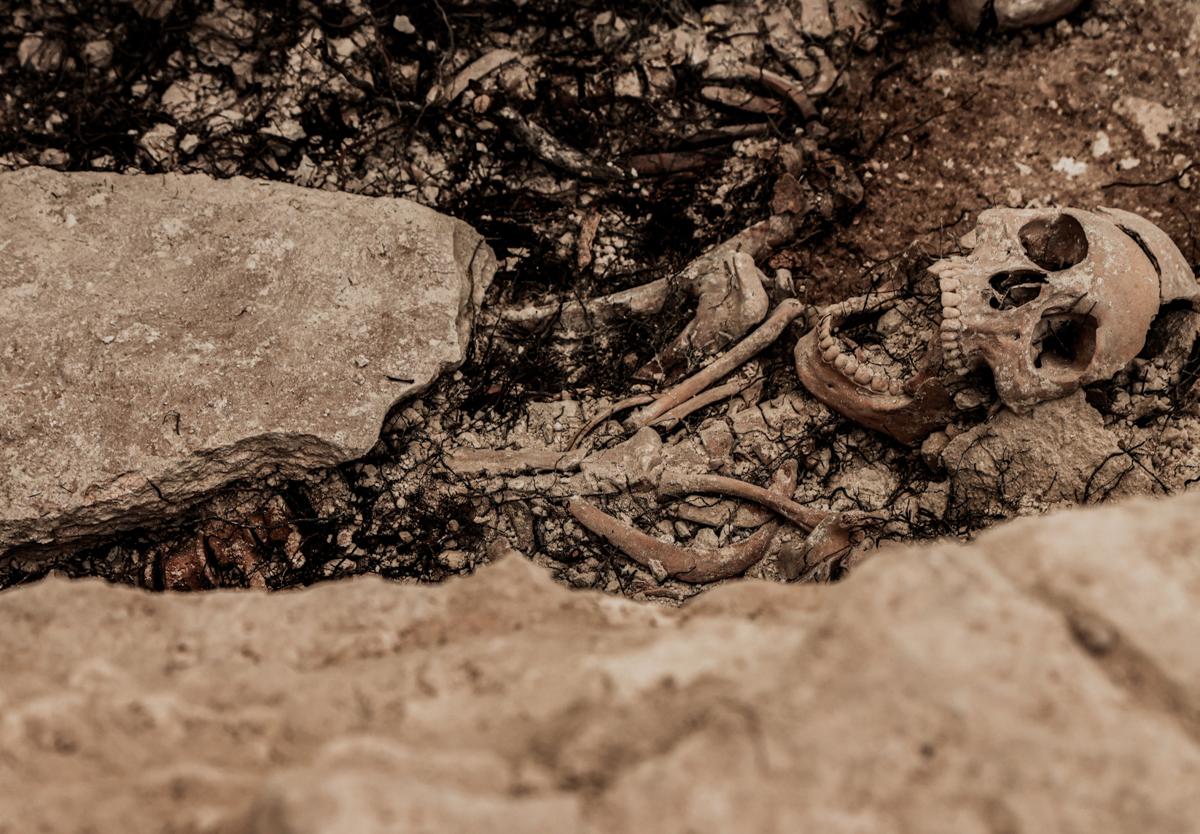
point(827, 541)
point(587, 236)
point(785, 313)
point(642, 300)
point(474, 71)
point(732, 299)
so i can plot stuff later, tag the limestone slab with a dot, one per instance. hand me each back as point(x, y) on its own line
point(162, 336)
point(1042, 678)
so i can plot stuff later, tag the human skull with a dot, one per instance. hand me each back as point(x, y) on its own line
point(1049, 300)
point(1005, 15)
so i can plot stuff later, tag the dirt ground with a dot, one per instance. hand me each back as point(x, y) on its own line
point(922, 129)
point(1097, 110)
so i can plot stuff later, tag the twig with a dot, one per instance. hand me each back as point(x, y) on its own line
point(773, 81)
point(608, 414)
point(725, 133)
point(670, 162)
point(741, 100)
point(1176, 177)
point(474, 71)
point(553, 152)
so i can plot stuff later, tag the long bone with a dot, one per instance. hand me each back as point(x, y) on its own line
point(689, 564)
point(674, 482)
point(713, 395)
point(829, 532)
point(788, 311)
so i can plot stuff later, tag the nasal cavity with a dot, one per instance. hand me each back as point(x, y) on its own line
point(1056, 243)
point(1064, 344)
point(1015, 288)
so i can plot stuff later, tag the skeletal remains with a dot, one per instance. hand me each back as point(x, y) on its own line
point(1046, 301)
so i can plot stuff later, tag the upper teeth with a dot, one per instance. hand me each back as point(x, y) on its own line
point(948, 282)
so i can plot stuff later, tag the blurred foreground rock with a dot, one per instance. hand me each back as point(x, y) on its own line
point(162, 336)
point(1044, 678)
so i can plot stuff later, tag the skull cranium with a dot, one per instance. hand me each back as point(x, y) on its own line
point(1049, 300)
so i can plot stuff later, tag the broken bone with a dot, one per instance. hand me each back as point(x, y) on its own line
point(718, 277)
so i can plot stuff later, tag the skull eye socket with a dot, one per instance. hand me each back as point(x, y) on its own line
point(1055, 244)
point(1015, 288)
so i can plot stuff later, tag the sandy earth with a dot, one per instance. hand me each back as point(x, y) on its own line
point(1043, 678)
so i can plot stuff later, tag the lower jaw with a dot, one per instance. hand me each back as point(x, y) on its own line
point(906, 417)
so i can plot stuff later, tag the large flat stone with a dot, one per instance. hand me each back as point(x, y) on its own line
point(1043, 678)
point(161, 336)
